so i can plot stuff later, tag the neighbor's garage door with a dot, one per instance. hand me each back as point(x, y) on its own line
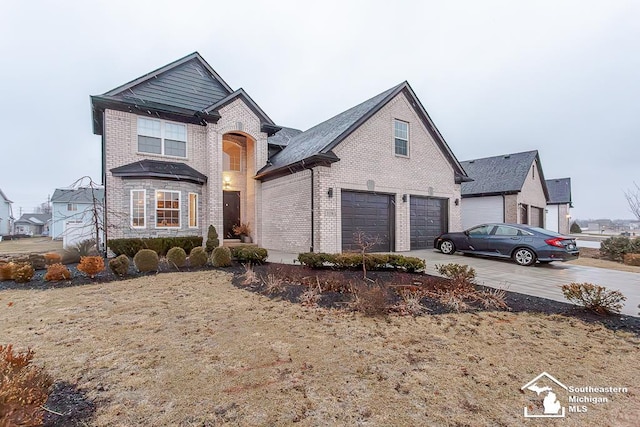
point(370, 213)
point(537, 217)
point(481, 210)
point(428, 221)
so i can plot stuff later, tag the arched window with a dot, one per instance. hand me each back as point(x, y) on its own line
point(231, 155)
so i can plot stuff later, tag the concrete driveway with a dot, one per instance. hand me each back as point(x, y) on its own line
point(540, 281)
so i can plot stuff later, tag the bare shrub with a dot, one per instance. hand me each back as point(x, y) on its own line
point(410, 303)
point(24, 388)
point(593, 297)
point(273, 283)
point(249, 277)
point(492, 298)
point(311, 295)
point(365, 242)
point(369, 300)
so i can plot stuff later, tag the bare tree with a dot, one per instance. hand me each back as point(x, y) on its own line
point(365, 242)
point(633, 198)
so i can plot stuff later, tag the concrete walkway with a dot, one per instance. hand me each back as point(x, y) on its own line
point(540, 281)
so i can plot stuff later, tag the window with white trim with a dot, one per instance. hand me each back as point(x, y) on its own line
point(138, 208)
point(160, 137)
point(167, 209)
point(193, 210)
point(72, 207)
point(401, 138)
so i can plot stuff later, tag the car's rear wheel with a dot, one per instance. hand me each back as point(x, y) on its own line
point(524, 256)
point(447, 247)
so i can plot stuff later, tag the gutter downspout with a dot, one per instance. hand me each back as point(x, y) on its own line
point(312, 206)
point(504, 208)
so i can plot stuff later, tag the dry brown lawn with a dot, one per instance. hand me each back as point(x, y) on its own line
point(39, 245)
point(190, 349)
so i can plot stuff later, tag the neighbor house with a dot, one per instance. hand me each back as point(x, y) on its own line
point(508, 188)
point(73, 213)
point(183, 150)
point(6, 215)
point(559, 205)
point(33, 224)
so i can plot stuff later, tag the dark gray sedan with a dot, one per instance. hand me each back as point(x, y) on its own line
point(524, 244)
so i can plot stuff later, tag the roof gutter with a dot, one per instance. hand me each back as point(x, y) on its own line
point(323, 159)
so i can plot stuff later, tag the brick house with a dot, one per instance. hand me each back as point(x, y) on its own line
point(559, 205)
point(508, 188)
point(182, 150)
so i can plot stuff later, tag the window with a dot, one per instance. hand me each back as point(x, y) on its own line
point(168, 209)
point(159, 137)
point(231, 154)
point(193, 210)
point(502, 230)
point(72, 207)
point(138, 208)
point(482, 230)
point(401, 137)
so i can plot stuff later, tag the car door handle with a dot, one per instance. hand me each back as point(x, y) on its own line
point(515, 238)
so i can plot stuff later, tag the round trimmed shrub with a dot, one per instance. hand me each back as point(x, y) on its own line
point(146, 260)
point(198, 257)
point(221, 257)
point(120, 265)
point(23, 273)
point(177, 257)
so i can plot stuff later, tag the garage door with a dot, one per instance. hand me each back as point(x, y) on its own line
point(552, 218)
point(370, 213)
point(537, 217)
point(481, 210)
point(428, 221)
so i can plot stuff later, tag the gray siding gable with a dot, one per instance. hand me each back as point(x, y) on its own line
point(77, 195)
point(559, 191)
point(499, 174)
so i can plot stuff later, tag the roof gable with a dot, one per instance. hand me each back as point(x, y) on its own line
point(559, 190)
point(34, 218)
point(77, 195)
point(4, 196)
point(500, 174)
point(317, 142)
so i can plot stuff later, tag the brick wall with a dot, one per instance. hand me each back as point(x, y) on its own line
point(532, 194)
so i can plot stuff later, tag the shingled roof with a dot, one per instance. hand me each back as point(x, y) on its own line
point(283, 136)
point(160, 170)
point(503, 174)
point(77, 195)
point(559, 191)
point(314, 146)
point(187, 89)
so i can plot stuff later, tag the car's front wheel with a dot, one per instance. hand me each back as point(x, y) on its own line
point(447, 247)
point(524, 256)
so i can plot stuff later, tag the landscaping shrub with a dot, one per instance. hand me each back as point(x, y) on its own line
point(37, 261)
point(408, 263)
point(146, 260)
point(593, 297)
point(7, 271)
point(249, 277)
point(221, 257)
point(198, 257)
point(160, 245)
point(24, 389)
point(410, 303)
point(177, 256)
point(57, 272)
point(457, 272)
point(354, 260)
point(91, 265)
point(370, 301)
point(212, 239)
point(575, 228)
point(252, 254)
point(74, 253)
point(315, 260)
point(311, 296)
point(273, 283)
point(614, 248)
point(120, 265)
point(52, 258)
point(632, 259)
point(461, 290)
point(23, 273)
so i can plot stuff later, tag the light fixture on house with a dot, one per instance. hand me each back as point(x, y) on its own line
point(404, 198)
point(330, 192)
point(227, 182)
point(456, 202)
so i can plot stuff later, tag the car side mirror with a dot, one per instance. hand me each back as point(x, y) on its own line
point(466, 232)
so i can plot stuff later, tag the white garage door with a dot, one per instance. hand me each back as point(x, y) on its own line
point(481, 210)
point(552, 218)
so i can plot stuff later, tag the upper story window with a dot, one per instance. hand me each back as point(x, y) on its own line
point(160, 137)
point(231, 155)
point(401, 137)
point(72, 207)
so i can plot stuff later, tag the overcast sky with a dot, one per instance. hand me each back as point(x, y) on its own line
point(497, 77)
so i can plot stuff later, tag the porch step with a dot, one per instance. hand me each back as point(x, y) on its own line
point(232, 243)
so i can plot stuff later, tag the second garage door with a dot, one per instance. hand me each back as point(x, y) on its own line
point(428, 221)
point(370, 213)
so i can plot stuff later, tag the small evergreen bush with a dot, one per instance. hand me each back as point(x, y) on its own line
point(614, 248)
point(250, 254)
point(7, 271)
point(575, 228)
point(91, 265)
point(146, 260)
point(198, 257)
point(23, 273)
point(593, 297)
point(52, 258)
point(212, 239)
point(177, 257)
point(160, 245)
point(57, 272)
point(119, 265)
point(221, 257)
point(37, 261)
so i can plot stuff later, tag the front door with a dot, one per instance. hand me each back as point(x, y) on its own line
point(230, 212)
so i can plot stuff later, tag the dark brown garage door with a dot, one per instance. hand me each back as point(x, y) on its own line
point(370, 213)
point(428, 221)
point(537, 217)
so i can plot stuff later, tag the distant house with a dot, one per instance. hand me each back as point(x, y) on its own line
point(6, 215)
point(509, 188)
point(559, 205)
point(33, 224)
point(75, 208)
